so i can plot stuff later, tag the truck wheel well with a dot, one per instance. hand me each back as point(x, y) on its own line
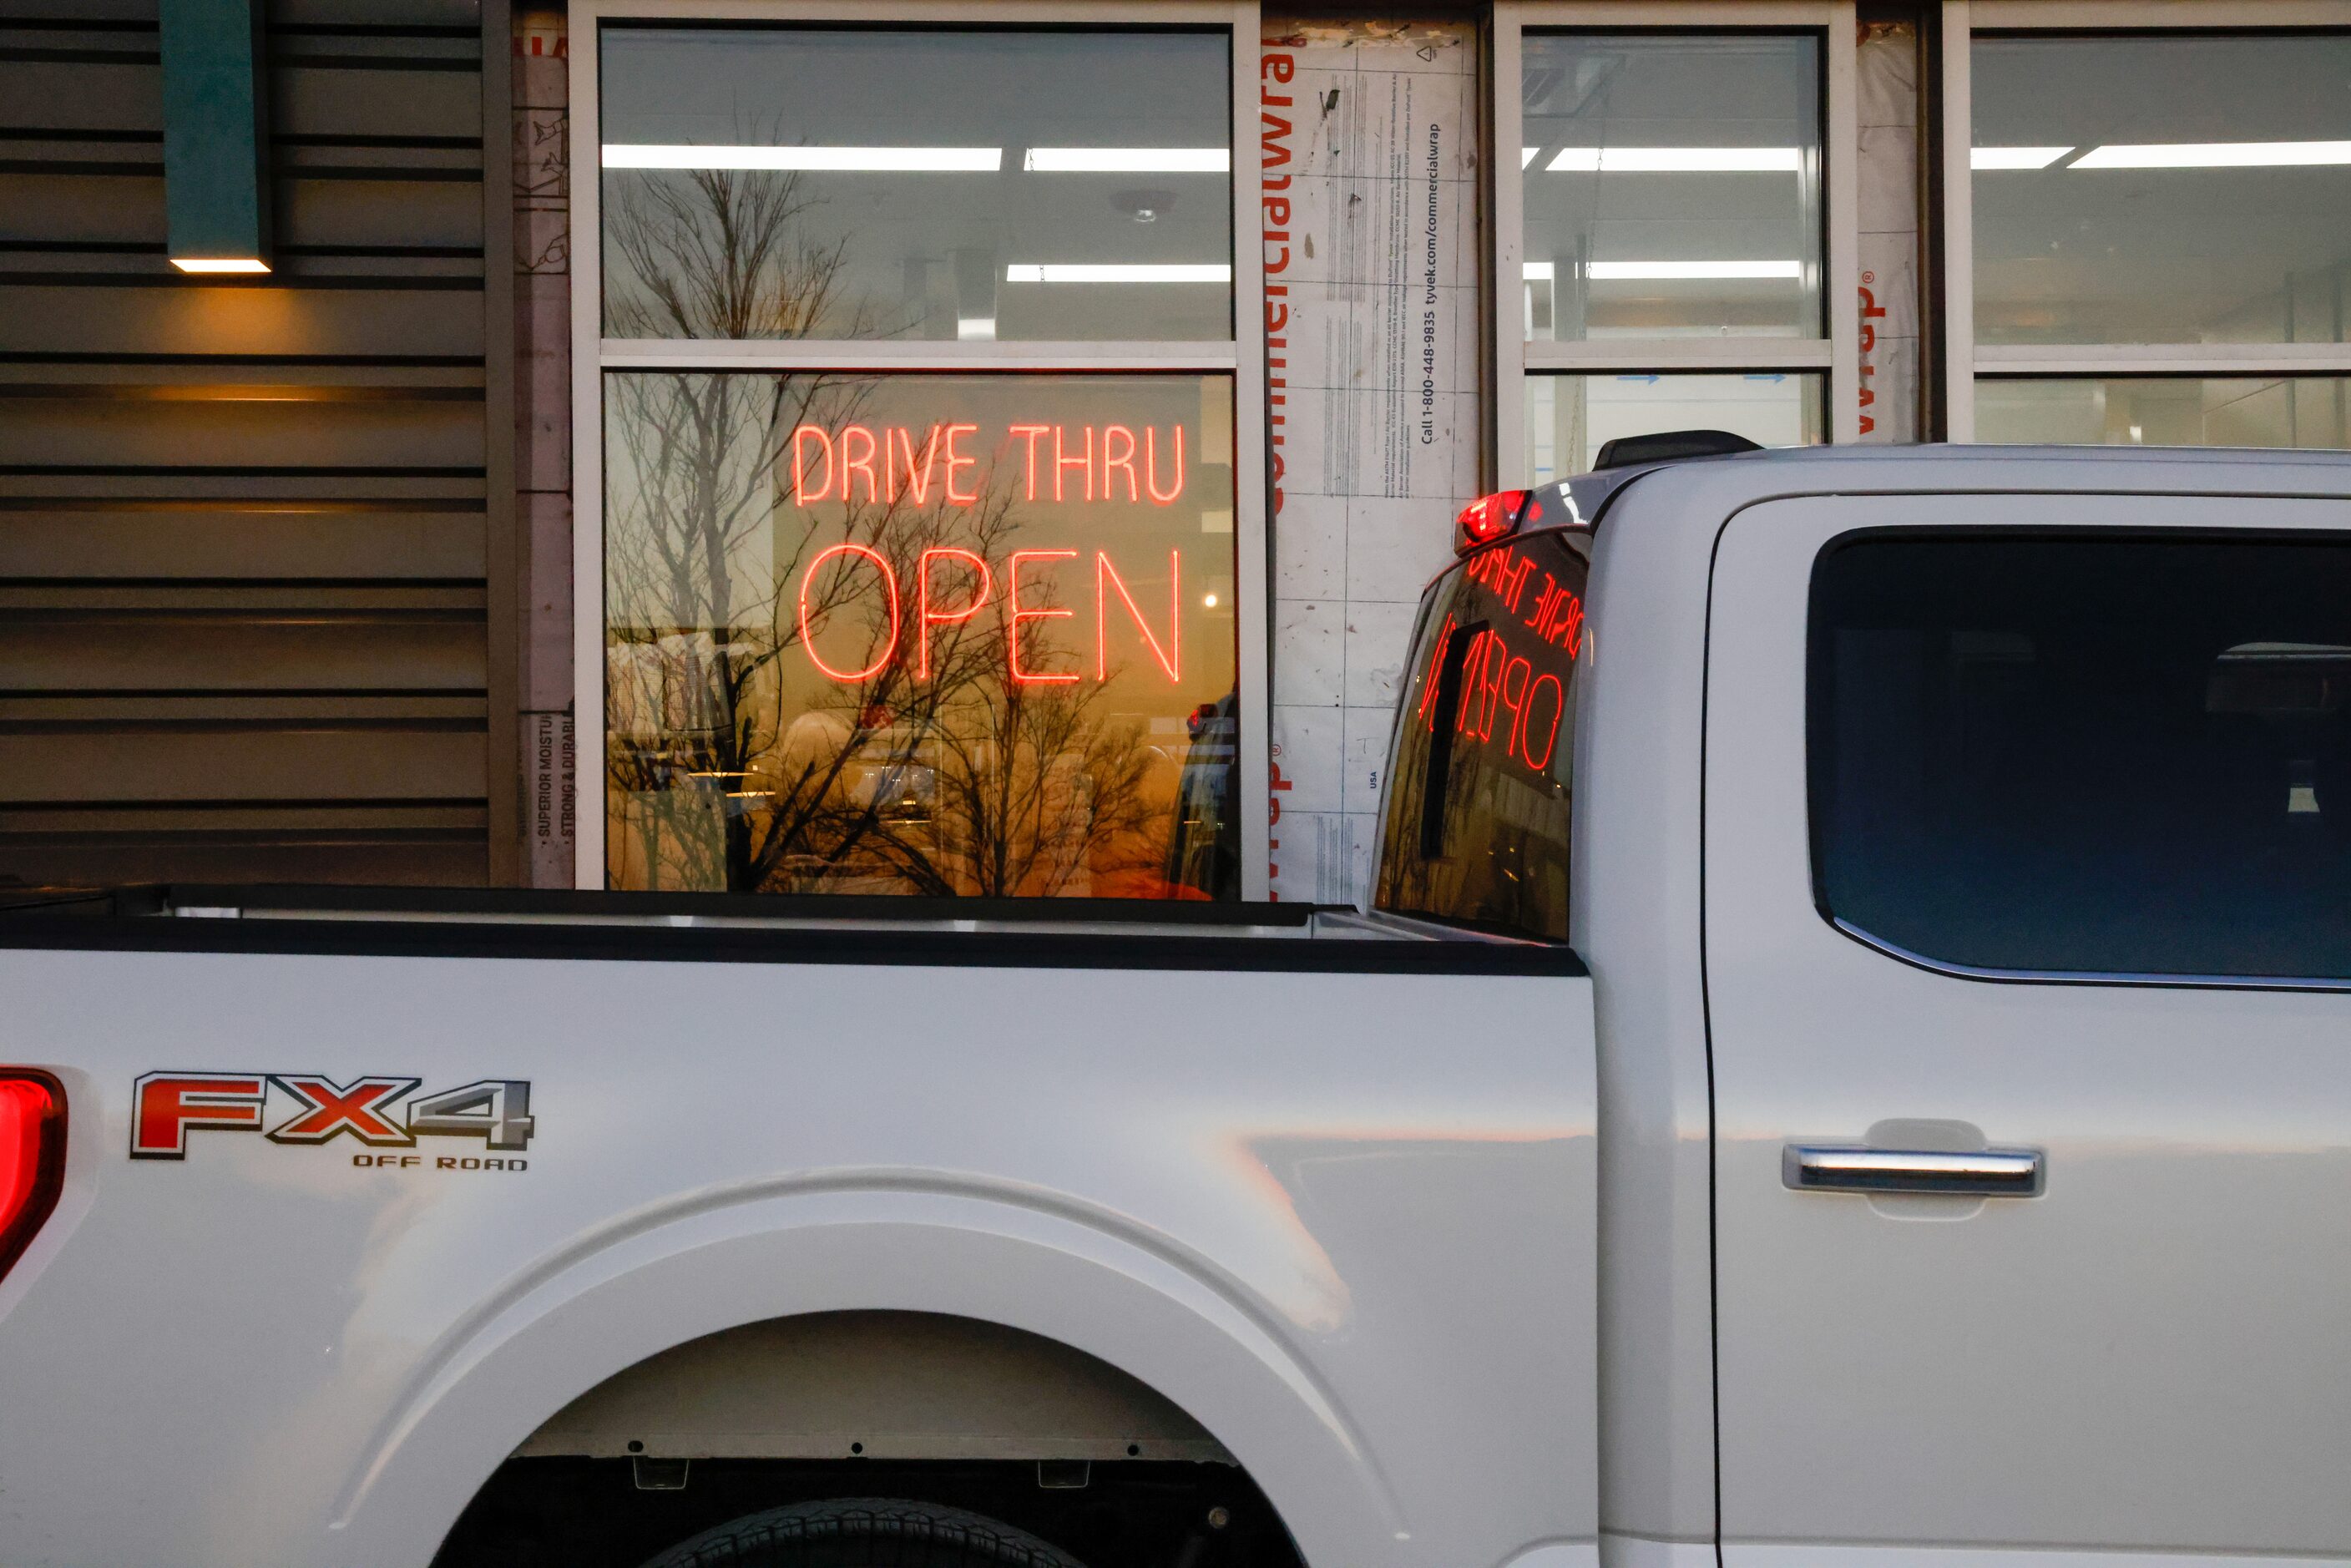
point(930, 1408)
point(914, 1385)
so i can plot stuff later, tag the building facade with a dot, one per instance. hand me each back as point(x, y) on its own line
point(996, 449)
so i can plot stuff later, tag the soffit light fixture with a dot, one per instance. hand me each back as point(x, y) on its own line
point(1127, 160)
point(1119, 272)
point(850, 160)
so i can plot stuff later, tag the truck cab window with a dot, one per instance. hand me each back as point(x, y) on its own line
point(2115, 756)
point(1475, 828)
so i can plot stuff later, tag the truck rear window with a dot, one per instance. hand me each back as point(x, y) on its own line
point(1474, 829)
point(2117, 756)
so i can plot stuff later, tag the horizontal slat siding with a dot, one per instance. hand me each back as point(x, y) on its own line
point(243, 607)
point(293, 541)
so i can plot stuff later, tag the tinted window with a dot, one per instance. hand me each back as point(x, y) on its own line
point(1477, 811)
point(2122, 755)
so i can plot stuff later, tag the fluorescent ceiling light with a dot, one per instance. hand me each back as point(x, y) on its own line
point(1119, 272)
point(1127, 160)
point(1527, 156)
point(976, 328)
point(1652, 270)
point(219, 264)
point(1676, 160)
point(1539, 272)
point(2014, 157)
point(2215, 155)
point(904, 160)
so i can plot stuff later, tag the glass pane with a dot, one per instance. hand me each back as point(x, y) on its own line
point(2188, 189)
point(2237, 410)
point(1482, 766)
point(1672, 186)
point(949, 635)
point(2119, 756)
point(805, 183)
point(1570, 417)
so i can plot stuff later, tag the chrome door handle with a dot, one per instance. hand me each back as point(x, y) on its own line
point(1984, 1173)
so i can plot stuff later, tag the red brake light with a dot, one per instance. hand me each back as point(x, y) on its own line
point(1490, 518)
point(31, 1156)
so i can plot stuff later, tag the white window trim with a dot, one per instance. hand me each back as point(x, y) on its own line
point(1243, 359)
point(1838, 354)
point(1964, 360)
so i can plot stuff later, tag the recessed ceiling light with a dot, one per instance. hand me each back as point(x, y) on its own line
point(2215, 155)
point(1119, 272)
point(1653, 270)
point(893, 159)
point(1127, 160)
point(1677, 161)
point(2014, 157)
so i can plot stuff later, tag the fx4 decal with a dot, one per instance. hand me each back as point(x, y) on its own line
point(310, 1108)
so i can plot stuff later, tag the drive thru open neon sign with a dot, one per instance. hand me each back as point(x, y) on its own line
point(884, 465)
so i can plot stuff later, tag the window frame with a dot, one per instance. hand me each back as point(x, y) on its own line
point(1965, 362)
point(1835, 358)
point(1241, 357)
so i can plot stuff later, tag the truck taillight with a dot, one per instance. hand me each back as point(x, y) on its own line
point(1490, 517)
point(31, 1156)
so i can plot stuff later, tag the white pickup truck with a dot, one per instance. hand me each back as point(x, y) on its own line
point(1847, 1062)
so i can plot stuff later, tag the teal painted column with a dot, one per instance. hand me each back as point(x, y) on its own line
point(216, 135)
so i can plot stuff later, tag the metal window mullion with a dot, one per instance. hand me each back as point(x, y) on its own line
point(862, 355)
point(1841, 145)
point(1252, 493)
point(1958, 229)
point(1693, 355)
point(588, 719)
point(1513, 356)
point(2088, 15)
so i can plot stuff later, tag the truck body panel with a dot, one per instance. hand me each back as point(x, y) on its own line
point(1244, 1189)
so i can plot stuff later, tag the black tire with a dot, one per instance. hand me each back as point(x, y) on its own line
point(865, 1533)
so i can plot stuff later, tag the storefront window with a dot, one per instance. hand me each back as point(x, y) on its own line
point(1671, 185)
point(1571, 417)
point(949, 635)
point(2188, 188)
point(865, 183)
point(2155, 411)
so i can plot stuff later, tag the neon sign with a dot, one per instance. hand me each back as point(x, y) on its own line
point(940, 599)
point(886, 464)
point(1497, 681)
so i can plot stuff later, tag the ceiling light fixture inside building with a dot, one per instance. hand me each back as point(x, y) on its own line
point(1119, 272)
point(854, 160)
point(1127, 160)
point(1650, 271)
point(2215, 155)
point(2014, 157)
point(1677, 161)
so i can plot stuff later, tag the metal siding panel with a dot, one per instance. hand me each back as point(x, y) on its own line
point(114, 652)
point(146, 432)
point(348, 102)
point(241, 543)
point(213, 318)
point(238, 765)
point(246, 637)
